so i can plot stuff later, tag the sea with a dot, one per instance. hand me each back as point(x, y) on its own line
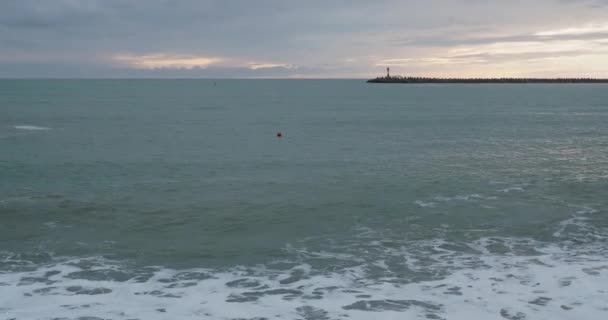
point(176, 199)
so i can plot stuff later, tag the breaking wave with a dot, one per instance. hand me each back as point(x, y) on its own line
point(31, 128)
point(489, 278)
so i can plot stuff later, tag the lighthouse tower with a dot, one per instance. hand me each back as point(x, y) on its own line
point(388, 72)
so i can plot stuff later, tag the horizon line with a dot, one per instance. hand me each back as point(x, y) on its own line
point(170, 78)
point(298, 78)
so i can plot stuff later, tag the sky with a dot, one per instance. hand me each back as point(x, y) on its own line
point(302, 39)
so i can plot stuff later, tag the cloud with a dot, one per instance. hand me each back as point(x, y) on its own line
point(191, 61)
point(522, 47)
point(552, 53)
point(166, 61)
point(575, 31)
point(427, 61)
point(256, 66)
point(340, 38)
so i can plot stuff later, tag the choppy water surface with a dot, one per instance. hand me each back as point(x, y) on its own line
point(174, 199)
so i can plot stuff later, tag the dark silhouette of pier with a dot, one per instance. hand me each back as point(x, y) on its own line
point(399, 79)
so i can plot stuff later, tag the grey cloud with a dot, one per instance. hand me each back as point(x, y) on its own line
point(29, 14)
point(78, 36)
point(44, 70)
point(443, 41)
point(528, 56)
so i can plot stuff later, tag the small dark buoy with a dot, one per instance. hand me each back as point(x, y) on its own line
point(279, 134)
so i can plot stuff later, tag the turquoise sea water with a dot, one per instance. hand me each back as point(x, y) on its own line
point(174, 199)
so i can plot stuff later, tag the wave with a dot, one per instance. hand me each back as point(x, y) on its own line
point(30, 127)
point(488, 278)
point(552, 285)
point(436, 200)
point(512, 189)
point(423, 204)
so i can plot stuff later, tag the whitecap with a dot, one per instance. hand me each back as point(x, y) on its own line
point(511, 189)
point(30, 127)
point(468, 197)
point(51, 224)
point(493, 280)
point(425, 204)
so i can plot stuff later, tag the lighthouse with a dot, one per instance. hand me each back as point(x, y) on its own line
point(388, 72)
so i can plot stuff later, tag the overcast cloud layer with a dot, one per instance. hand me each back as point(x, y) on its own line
point(302, 39)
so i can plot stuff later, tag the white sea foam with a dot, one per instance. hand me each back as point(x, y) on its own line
point(30, 127)
point(552, 285)
point(512, 189)
point(579, 225)
point(475, 197)
point(489, 278)
point(467, 197)
point(425, 204)
point(51, 224)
